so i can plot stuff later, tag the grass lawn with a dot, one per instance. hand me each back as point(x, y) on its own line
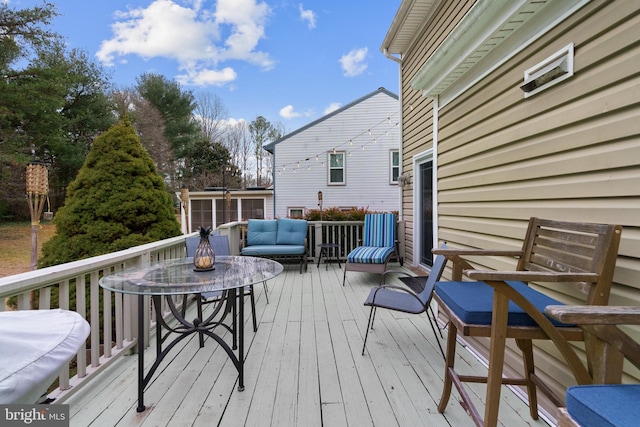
point(15, 246)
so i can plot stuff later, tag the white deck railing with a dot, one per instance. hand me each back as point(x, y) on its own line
point(113, 316)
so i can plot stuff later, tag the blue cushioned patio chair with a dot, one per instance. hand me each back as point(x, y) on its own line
point(501, 304)
point(607, 403)
point(406, 300)
point(379, 244)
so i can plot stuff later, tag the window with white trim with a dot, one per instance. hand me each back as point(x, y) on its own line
point(337, 168)
point(394, 166)
point(296, 213)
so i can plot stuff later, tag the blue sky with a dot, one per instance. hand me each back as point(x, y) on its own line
point(289, 61)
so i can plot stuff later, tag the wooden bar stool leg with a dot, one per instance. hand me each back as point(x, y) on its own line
point(529, 371)
point(496, 358)
point(452, 336)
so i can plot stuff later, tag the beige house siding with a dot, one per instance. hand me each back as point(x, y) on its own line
point(417, 110)
point(570, 152)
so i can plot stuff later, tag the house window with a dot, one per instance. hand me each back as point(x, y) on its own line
point(296, 212)
point(394, 165)
point(551, 71)
point(337, 173)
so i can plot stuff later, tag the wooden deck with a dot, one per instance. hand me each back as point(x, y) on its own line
point(303, 368)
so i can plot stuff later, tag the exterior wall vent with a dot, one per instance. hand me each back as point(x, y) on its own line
point(551, 71)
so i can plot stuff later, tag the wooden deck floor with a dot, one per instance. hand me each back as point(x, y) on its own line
point(303, 368)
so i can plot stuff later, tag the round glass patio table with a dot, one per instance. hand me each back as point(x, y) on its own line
point(177, 277)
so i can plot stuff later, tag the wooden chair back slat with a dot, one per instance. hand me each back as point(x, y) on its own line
point(573, 247)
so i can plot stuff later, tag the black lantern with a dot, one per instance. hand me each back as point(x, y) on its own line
point(204, 258)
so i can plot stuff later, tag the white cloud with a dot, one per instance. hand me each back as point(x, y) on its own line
point(354, 62)
point(208, 77)
point(288, 112)
point(308, 15)
point(332, 107)
point(192, 36)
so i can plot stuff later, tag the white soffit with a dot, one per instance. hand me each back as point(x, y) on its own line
point(409, 19)
point(490, 33)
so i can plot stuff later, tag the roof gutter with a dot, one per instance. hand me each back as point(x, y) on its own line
point(398, 60)
point(391, 57)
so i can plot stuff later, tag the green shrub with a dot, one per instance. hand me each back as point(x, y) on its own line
point(118, 200)
point(337, 214)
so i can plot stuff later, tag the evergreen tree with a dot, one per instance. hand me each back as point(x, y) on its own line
point(52, 105)
point(118, 200)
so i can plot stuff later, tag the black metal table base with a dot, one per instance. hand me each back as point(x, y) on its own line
point(224, 306)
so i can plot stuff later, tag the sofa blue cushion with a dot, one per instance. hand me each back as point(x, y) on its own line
point(262, 232)
point(370, 254)
point(291, 231)
point(472, 302)
point(273, 250)
point(604, 405)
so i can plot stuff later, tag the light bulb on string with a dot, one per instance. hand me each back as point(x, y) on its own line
point(369, 131)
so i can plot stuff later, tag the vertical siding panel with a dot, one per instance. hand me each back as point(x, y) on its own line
point(417, 111)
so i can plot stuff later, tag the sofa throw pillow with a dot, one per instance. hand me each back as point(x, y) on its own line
point(291, 231)
point(261, 232)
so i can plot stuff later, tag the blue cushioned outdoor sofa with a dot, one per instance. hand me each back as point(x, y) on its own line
point(281, 238)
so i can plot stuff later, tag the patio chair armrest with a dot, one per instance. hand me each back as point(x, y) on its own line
point(531, 276)
point(397, 288)
point(394, 271)
point(594, 314)
point(475, 252)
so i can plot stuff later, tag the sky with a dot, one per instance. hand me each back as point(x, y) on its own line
point(289, 61)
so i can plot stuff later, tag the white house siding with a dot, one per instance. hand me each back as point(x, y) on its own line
point(571, 152)
point(298, 176)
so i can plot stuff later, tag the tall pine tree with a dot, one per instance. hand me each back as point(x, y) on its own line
point(118, 200)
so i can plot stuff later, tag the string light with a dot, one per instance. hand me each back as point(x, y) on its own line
point(373, 131)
